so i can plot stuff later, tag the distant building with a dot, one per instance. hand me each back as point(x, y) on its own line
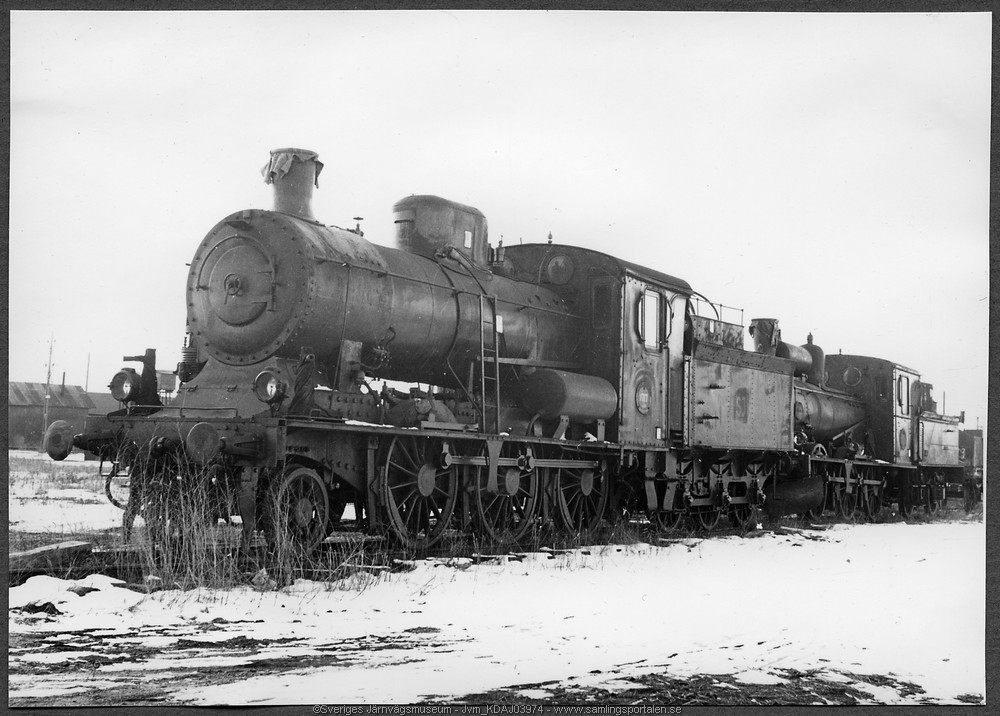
point(26, 411)
point(103, 403)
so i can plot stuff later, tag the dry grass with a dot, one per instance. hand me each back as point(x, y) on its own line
point(36, 485)
point(185, 544)
point(34, 476)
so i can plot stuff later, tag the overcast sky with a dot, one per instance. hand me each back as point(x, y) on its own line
point(830, 170)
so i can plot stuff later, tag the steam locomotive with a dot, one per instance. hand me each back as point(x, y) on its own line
point(552, 384)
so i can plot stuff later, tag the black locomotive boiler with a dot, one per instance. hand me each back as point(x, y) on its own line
point(553, 385)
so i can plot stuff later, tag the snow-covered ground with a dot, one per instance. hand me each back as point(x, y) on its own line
point(57, 497)
point(894, 611)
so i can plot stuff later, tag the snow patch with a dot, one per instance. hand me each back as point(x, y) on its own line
point(756, 676)
point(74, 596)
point(447, 628)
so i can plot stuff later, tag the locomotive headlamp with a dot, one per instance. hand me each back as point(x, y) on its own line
point(125, 385)
point(268, 388)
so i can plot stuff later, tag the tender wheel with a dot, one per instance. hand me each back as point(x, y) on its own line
point(970, 495)
point(419, 494)
point(742, 517)
point(933, 500)
point(581, 496)
point(506, 513)
point(705, 518)
point(300, 510)
point(906, 502)
point(665, 521)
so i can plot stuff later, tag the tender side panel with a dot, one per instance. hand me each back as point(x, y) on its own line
point(971, 449)
point(738, 399)
point(938, 441)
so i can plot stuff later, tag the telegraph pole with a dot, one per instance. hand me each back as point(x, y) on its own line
point(86, 380)
point(48, 379)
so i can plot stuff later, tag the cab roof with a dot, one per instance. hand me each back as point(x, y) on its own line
point(627, 267)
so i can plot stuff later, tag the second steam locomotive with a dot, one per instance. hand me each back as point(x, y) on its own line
point(553, 385)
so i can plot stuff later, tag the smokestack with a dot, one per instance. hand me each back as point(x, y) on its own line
point(293, 173)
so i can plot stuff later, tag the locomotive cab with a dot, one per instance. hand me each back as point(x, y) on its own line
point(892, 394)
point(632, 333)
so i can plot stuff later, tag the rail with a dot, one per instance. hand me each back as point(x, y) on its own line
point(698, 301)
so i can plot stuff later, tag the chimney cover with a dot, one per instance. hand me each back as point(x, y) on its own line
point(293, 173)
point(281, 163)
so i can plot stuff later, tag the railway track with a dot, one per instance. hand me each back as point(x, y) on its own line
point(345, 551)
point(349, 550)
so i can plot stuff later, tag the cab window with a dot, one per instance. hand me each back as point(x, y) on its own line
point(903, 393)
point(604, 307)
point(650, 320)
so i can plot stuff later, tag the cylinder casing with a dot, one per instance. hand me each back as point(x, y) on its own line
point(551, 393)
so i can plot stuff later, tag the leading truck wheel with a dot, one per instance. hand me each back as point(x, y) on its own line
point(299, 510)
point(418, 493)
point(159, 502)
